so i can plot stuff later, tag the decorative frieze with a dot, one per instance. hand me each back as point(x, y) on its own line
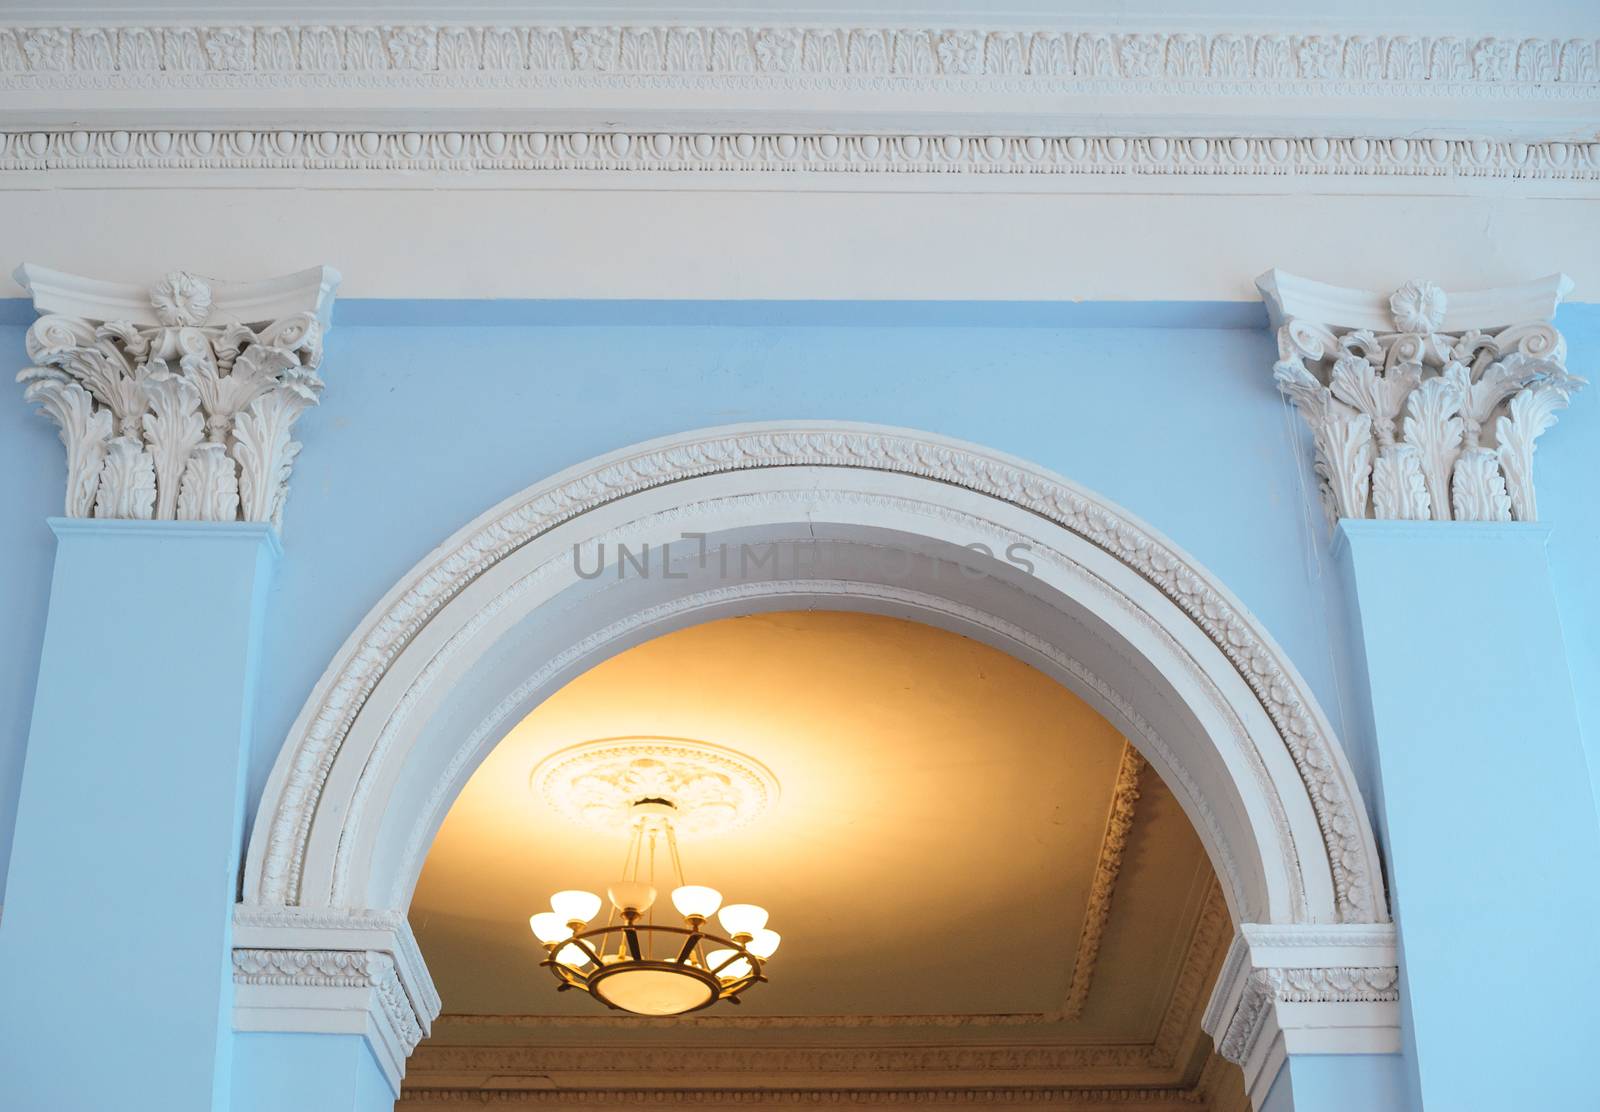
point(1422, 407)
point(520, 154)
point(386, 55)
point(179, 402)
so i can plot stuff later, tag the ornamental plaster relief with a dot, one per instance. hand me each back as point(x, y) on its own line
point(850, 101)
point(429, 55)
point(354, 972)
point(1113, 845)
point(254, 155)
point(1417, 412)
point(1304, 989)
point(174, 404)
point(279, 846)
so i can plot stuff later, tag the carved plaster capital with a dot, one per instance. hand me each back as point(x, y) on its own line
point(1304, 989)
point(1422, 405)
point(177, 402)
point(333, 972)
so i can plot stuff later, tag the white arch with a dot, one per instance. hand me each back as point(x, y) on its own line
point(499, 617)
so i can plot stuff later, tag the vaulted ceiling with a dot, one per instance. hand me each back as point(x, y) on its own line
point(984, 893)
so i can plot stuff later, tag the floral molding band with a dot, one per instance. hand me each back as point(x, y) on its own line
point(1422, 406)
point(377, 55)
point(177, 402)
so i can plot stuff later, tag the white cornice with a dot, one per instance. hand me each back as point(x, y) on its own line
point(928, 78)
point(916, 102)
point(762, 159)
point(427, 55)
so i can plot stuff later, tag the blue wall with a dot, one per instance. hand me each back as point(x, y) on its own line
point(436, 411)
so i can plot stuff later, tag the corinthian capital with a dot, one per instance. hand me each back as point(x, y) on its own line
point(177, 402)
point(1422, 406)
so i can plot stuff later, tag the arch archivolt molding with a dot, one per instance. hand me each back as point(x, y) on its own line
point(416, 698)
point(284, 822)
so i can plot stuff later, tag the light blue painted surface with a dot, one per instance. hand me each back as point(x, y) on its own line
point(118, 925)
point(436, 411)
point(1280, 1097)
point(1494, 849)
point(307, 1073)
point(1338, 1083)
point(423, 427)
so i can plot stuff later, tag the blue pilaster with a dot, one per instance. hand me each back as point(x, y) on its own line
point(115, 963)
point(1485, 809)
point(307, 1073)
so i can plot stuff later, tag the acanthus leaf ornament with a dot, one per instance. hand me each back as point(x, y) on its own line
point(1401, 393)
point(172, 402)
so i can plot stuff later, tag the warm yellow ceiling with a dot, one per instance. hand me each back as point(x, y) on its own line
point(942, 816)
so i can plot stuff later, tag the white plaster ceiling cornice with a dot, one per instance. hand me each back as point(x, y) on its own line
point(250, 91)
point(1093, 78)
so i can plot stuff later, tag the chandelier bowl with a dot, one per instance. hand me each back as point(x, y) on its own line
point(654, 970)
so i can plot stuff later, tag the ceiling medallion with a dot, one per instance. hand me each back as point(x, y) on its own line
point(651, 787)
point(713, 790)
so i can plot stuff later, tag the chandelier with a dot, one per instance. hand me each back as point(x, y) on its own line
point(635, 963)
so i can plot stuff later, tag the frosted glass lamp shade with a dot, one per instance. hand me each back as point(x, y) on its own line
point(743, 919)
point(575, 906)
point(572, 955)
point(654, 991)
point(549, 927)
point(764, 943)
point(631, 895)
point(733, 970)
point(696, 901)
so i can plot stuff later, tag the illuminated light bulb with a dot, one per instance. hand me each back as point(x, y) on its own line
point(696, 901)
point(764, 943)
point(631, 895)
point(575, 906)
point(743, 919)
point(549, 927)
point(572, 955)
point(733, 971)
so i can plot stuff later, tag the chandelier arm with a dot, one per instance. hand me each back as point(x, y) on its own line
point(688, 949)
